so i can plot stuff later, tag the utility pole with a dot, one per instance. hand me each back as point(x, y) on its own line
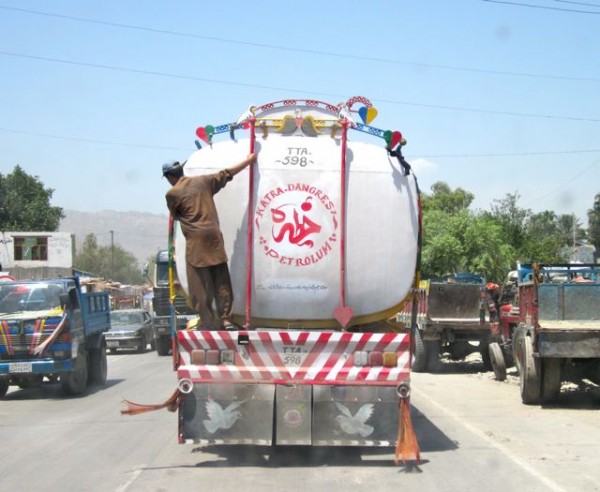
point(112, 254)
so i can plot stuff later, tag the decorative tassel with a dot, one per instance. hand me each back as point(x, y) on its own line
point(40, 350)
point(172, 404)
point(407, 447)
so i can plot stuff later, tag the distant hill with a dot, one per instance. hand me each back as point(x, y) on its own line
point(141, 234)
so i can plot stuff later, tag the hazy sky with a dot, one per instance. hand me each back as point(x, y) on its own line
point(493, 97)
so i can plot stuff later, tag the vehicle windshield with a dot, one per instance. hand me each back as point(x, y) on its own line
point(17, 297)
point(126, 318)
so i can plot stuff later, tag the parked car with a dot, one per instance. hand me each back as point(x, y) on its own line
point(130, 329)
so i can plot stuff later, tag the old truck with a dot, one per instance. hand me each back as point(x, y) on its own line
point(163, 308)
point(323, 239)
point(558, 336)
point(51, 329)
point(453, 318)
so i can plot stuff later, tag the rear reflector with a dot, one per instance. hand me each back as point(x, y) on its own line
point(212, 357)
point(375, 359)
point(198, 357)
point(361, 358)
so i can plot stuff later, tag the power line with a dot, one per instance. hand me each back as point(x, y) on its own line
point(295, 49)
point(295, 91)
point(511, 154)
point(579, 3)
point(90, 140)
point(565, 183)
point(518, 4)
point(425, 156)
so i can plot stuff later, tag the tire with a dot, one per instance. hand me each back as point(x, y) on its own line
point(507, 352)
point(497, 361)
point(420, 361)
point(143, 345)
point(75, 381)
point(4, 384)
point(113, 350)
point(459, 350)
point(529, 372)
point(484, 351)
point(98, 366)
point(162, 346)
point(551, 379)
point(432, 351)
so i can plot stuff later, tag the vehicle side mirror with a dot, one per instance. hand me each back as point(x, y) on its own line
point(64, 301)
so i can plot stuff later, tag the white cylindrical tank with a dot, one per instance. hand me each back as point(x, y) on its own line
point(297, 227)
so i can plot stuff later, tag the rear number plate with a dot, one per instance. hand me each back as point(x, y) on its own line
point(20, 367)
point(112, 344)
point(293, 360)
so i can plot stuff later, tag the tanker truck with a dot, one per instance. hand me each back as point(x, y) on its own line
point(323, 241)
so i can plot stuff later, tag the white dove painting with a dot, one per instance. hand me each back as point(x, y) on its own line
point(219, 418)
point(355, 424)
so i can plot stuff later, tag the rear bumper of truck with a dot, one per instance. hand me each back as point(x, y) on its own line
point(25, 367)
point(266, 414)
point(285, 388)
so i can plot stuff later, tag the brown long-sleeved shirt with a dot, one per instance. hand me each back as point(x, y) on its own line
point(191, 203)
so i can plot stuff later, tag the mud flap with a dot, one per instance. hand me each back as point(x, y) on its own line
point(228, 414)
point(355, 416)
point(293, 415)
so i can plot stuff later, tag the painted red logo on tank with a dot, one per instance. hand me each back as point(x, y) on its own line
point(297, 224)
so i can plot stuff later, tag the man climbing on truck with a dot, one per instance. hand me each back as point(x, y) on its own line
point(190, 201)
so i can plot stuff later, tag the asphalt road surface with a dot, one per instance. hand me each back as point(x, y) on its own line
point(474, 433)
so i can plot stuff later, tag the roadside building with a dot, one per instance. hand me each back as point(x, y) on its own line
point(32, 255)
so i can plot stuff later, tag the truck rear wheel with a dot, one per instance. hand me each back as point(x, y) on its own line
point(98, 366)
point(420, 360)
point(432, 351)
point(75, 381)
point(551, 379)
point(3, 386)
point(163, 345)
point(498, 362)
point(143, 343)
point(529, 372)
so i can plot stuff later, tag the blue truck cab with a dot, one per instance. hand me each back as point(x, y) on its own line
point(51, 329)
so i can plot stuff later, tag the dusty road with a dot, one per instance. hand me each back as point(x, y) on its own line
point(474, 434)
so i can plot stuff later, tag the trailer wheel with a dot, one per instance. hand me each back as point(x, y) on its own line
point(420, 361)
point(497, 361)
point(3, 386)
point(75, 381)
point(551, 379)
point(529, 372)
point(98, 366)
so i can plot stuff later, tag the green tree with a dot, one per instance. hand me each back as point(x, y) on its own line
point(445, 199)
point(533, 237)
point(594, 224)
point(512, 219)
point(111, 262)
point(464, 242)
point(25, 204)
